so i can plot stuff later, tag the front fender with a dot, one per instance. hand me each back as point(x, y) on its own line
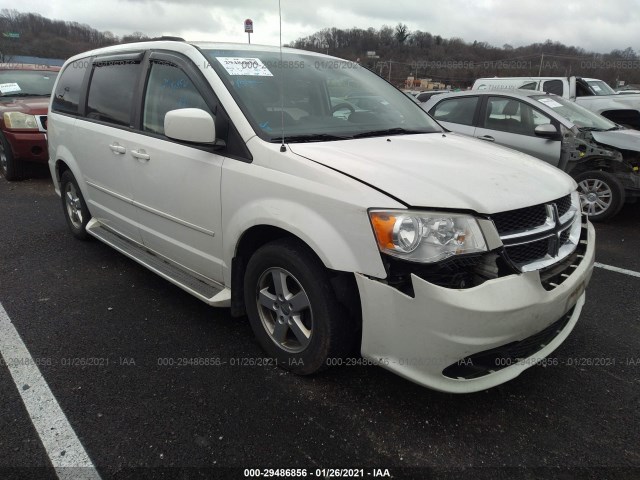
point(352, 251)
point(337, 230)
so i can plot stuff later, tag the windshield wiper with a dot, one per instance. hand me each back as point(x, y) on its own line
point(590, 129)
point(317, 137)
point(389, 131)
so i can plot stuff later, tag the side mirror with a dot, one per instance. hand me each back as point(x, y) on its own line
point(547, 131)
point(190, 125)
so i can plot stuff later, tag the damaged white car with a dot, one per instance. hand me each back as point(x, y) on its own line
point(601, 156)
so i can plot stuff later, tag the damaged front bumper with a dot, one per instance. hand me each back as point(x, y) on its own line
point(617, 152)
point(447, 339)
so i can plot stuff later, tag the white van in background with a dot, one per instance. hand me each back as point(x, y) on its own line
point(591, 93)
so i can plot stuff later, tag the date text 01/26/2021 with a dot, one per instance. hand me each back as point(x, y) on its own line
point(318, 472)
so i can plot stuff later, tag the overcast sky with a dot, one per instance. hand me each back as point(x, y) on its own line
point(591, 24)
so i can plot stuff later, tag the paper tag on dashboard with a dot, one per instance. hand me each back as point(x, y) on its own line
point(244, 66)
point(9, 87)
point(550, 102)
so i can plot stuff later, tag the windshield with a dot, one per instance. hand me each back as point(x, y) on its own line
point(23, 83)
point(581, 117)
point(324, 98)
point(600, 88)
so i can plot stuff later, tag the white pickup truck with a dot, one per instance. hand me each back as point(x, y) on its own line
point(591, 93)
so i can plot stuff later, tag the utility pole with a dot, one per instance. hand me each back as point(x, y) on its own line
point(382, 65)
point(540, 69)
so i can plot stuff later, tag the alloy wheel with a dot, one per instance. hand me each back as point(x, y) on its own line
point(595, 196)
point(285, 310)
point(74, 205)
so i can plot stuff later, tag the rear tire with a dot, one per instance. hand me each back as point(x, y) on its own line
point(292, 308)
point(602, 195)
point(10, 168)
point(74, 207)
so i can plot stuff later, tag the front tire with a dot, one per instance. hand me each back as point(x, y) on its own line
point(10, 168)
point(602, 195)
point(292, 308)
point(74, 207)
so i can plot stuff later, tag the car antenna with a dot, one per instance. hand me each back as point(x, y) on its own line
point(282, 146)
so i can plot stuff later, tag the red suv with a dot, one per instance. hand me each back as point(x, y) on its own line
point(24, 99)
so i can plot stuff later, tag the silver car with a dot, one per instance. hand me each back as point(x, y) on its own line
point(602, 156)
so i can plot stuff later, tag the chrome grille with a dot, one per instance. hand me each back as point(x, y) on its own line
point(564, 204)
point(539, 236)
point(522, 219)
point(527, 251)
point(527, 218)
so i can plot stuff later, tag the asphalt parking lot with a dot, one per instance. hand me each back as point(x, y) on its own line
point(115, 344)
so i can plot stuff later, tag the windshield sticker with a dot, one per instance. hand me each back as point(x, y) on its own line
point(244, 66)
point(596, 88)
point(550, 102)
point(9, 88)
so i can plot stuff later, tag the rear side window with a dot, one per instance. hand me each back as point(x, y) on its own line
point(113, 84)
point(457, 110)
point(67, 95)
point(529, 86)
point(169, 88)
point(553, 86)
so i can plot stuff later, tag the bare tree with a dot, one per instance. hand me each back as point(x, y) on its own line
point(401, 33)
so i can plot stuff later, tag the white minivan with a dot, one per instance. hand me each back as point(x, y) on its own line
point(310, 195)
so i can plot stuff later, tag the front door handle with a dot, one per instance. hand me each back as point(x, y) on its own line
point(141, 155)
point(117, 148)
point(487, 138)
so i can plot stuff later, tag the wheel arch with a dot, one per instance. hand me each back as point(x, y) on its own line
point(593, 164)
point(61, 167)
point(256, 236)
point(64, 161)
point(343, 241)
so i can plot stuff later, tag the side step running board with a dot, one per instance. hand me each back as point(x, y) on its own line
point(213, 294)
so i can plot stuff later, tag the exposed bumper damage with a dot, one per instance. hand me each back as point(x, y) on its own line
point(427, 336)
point(608, 151)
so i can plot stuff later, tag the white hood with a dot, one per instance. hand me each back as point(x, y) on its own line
point(625, 139)
point(443, 171)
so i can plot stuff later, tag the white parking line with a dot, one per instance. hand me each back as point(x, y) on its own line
point(617, 269)
point(65, 451)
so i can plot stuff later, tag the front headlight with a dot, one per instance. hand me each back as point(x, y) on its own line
point(20, 120)
point(426, 237)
